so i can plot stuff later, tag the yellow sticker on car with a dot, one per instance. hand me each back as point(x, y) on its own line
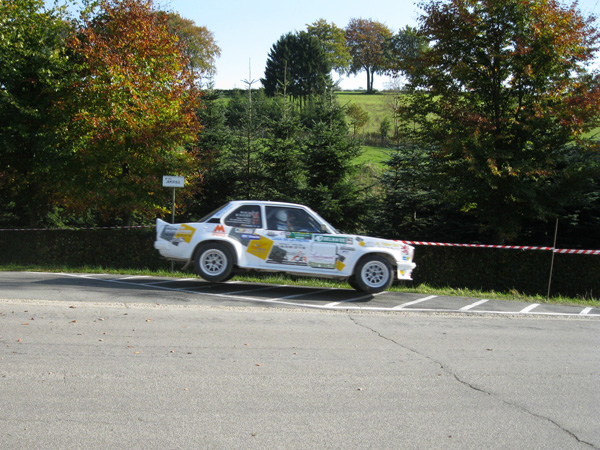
point(185, 232)
point(260, 247)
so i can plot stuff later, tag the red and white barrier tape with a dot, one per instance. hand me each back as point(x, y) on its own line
point(577, 252)
point(511, 247)
point(77, 228)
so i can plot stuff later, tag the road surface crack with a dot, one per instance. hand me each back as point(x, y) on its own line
point(473, 387)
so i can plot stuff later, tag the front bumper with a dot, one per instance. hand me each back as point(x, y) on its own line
point(404, 270)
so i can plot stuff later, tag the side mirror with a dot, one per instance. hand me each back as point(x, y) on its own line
point(323, 229)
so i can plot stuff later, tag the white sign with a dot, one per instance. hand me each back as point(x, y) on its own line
point(174, 182)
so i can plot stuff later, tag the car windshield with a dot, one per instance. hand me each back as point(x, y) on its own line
point(213, 213)
point(320, 219)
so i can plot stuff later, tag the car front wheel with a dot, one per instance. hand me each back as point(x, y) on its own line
point(214, 262)
point(373, 274)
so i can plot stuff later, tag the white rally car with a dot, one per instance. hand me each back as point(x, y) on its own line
point(282, 237)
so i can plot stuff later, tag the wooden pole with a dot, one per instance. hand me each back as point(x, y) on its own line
point(552, 263)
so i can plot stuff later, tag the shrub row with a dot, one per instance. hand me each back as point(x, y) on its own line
point(505, 270)
point(474, 268)
point(131, 248)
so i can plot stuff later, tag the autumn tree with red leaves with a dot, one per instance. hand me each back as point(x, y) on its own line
point(134, 111)
point(504, 96)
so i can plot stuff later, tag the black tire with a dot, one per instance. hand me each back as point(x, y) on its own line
point(353, 284)
point(373, 274)
point(214, 262)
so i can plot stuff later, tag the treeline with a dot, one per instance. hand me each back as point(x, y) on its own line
point(493, 124)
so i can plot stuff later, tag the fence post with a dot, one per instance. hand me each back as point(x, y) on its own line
point(552, 261)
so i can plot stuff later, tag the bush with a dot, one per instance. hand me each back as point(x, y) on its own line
point(505, 270)
point(131, 248)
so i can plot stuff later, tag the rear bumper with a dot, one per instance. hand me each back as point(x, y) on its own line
point(167, 250)
point(161, 246)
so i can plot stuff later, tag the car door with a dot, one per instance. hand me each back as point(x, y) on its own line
point(245, 224)
point(285, 242)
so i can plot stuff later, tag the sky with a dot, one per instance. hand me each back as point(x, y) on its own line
point(246, 30)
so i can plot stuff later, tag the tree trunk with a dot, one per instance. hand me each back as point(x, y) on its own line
point(370, 76)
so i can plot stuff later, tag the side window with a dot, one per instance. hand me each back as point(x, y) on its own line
point(290, 219)
point(247, 216)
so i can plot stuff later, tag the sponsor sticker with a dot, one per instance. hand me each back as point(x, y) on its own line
point(298, 235)
point(260, 247)
point(250, 237)
point(333, 239)
point(185, 232)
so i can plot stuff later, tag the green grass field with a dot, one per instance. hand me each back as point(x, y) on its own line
point(373, 155)
point(378, 106)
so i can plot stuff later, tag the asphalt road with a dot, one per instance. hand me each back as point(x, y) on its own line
point(105, 362)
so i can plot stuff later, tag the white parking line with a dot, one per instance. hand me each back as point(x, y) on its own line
point(355, 299)
point(266, 288)
point(174, 280)
point(587, 312)
point(473, 305)
point(529, 308)
point(302, 295)
point(414, 302)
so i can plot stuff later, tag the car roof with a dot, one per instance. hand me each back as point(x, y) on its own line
point(267, 203)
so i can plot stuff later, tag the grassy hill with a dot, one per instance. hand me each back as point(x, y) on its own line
point(378, 106)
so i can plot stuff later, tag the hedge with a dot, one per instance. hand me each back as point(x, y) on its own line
point(505, 270)
point(501, 270)
point(122, 248)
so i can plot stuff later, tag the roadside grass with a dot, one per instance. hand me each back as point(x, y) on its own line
point(286, 280)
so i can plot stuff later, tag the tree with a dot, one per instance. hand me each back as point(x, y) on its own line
point(331, 172)
point(213, 142)
point(501, 95)
point(333, 41)
point(403, 49)
point(297, 64)
point(199, 44)
point(408, 203)
point(358, 117)
point(384, 129)
point(134, 112)
point(366, 42)
point(34, 69)
point(238, 168)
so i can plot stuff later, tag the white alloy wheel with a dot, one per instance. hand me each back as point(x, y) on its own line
point(214, 262)
point(373, 274)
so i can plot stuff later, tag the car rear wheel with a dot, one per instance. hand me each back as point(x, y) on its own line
point(214, 262)
point(373, 274)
